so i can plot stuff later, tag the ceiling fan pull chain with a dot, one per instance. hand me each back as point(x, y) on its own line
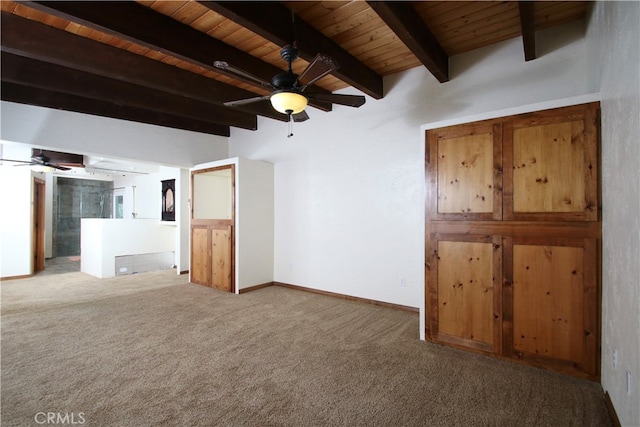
point(290, 134)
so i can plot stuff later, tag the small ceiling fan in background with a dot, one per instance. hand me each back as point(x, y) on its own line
point(54, 160)
point(287, 96)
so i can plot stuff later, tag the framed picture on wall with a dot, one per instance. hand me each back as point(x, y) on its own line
point(169, 200)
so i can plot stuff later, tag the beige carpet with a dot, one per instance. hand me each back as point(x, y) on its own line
point(153, 350)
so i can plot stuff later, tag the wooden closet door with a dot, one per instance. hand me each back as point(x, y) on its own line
point(513, 237)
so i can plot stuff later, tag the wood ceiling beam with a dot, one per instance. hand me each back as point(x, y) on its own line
point(273, 21)
point(32, 73)
point(405, 22)
point(528, 28)
point(12, 92)
point(31, 39)
point(143, 26)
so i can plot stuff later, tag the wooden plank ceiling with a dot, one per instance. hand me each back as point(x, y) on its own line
point(152, 61)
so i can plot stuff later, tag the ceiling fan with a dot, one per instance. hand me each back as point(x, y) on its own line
point(288, 88)
point(41, 160)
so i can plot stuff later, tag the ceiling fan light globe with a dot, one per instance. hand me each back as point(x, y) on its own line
point(288, 102)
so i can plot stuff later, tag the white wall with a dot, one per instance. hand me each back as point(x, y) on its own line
point(102, 136)
point(16, 185)
point(614, 69)
point(254, 234)
point(181, 223)
point(349, 185)
point(15, 221)
point(183, 216)
point(142, 195)
point(48, 215)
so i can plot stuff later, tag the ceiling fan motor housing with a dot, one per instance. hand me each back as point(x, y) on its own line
point(284, 80)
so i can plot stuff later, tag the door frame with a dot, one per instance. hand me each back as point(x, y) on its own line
point(214, 223)
point(38, 225)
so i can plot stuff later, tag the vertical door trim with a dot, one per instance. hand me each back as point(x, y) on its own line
point(38, 225)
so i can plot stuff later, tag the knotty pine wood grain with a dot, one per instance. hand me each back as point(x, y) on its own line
point(200, 255)
point(566, 141)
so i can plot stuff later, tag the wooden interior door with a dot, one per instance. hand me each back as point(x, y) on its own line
point(212, 228)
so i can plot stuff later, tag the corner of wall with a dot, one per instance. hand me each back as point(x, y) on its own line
point(612, 37)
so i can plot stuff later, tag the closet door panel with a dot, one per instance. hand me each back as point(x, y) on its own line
point(221, 262)
point(466, 172)
point(467, 278)
point(548, 300)
point(551, 166)
point(200, 255)
point(548, 172)
point(555, 301)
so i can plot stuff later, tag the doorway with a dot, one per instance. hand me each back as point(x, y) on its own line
point(75, 199)
point(212, 227)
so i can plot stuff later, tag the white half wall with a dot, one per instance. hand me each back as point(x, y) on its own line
point(349, 185)
point(104, 239)
point(614, 69)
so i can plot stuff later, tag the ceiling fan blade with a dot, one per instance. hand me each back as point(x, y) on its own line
point(40, 160)
point(246, 101)
point(59, 158)
point(301, 117)
point(26, 163)
point(335, 98)
point(241, 74)
point(317, 69)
